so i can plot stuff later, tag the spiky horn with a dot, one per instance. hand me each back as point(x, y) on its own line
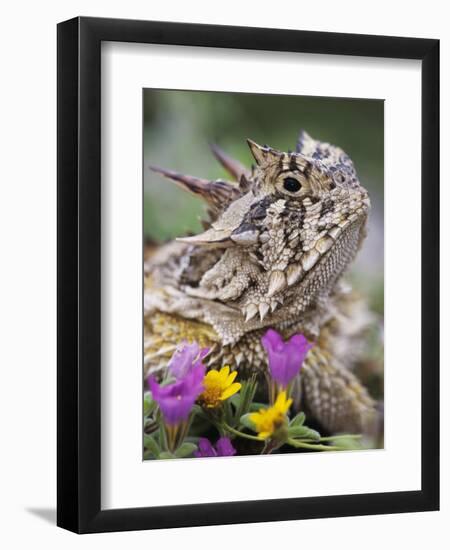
point(263, 154)
point(217, 193)
point(305, 143)
point(216, 238)
point(191, 183)
point(231, 165)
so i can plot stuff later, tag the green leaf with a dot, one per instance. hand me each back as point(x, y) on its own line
point(298, 420)
point(149, 404)
point(150, 426)
point(151, 445)
point(303, 432)
point(161, 436)
point(228, 413)
point(185, 450)
point(198, 411)
point(245, 421)
point(165, 455)
point(347, 443)
point(255, 406)
point(192, 439)
point(236, 399)
point(247, 395)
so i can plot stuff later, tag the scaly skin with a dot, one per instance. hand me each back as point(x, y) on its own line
point(275, 246)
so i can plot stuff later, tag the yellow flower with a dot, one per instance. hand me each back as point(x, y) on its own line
point(267, 421)
point(219, 385)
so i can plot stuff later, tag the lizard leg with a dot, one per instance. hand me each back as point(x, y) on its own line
point(334, 396)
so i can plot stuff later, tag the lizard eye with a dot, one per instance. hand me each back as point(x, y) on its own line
point(339, 177)
point(292, 185)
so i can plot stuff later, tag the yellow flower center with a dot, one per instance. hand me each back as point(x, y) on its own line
point(219, 386)
point(211, 397)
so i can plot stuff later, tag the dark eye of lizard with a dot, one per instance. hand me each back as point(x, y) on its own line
point(292, 185)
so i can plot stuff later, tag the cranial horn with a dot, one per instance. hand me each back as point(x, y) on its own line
point(234, 167)
point(191, 183)
point(263, 155)
point(306, 145)
point(217, 238)
point(257, 151)
point(300, 141)
point(217, 193)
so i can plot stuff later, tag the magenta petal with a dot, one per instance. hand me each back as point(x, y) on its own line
point(285, 358)
point(185, 357)
point(176, 409)
point(300, 342)
point(224, 447)
point(194, 379)
point(177, 399)
point(205, 449)
point(153, 385)
point(272, 340)
point(182, 359)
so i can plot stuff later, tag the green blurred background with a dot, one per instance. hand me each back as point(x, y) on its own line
point(178, 125)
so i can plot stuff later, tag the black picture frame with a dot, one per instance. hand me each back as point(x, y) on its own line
point(79, 275)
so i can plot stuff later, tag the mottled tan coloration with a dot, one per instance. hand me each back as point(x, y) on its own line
point(275, 246)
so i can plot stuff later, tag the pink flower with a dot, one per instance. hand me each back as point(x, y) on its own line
point(223, 447)
point(285, 358)
point(177, 399)
point(186, 357)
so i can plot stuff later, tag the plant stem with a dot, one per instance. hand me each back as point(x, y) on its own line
point(303, 445)
point(332, 438)
point(241, 434)
point(269, 447)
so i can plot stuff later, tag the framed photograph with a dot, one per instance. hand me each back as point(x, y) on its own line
point(248, 254)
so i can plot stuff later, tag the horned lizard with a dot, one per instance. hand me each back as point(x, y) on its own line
point(276, 243)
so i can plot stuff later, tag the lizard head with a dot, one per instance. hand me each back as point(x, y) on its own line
point(280, 235)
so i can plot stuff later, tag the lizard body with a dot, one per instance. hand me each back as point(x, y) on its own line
point(275, 246)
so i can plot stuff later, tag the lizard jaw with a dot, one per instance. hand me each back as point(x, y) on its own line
point(298, 280)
